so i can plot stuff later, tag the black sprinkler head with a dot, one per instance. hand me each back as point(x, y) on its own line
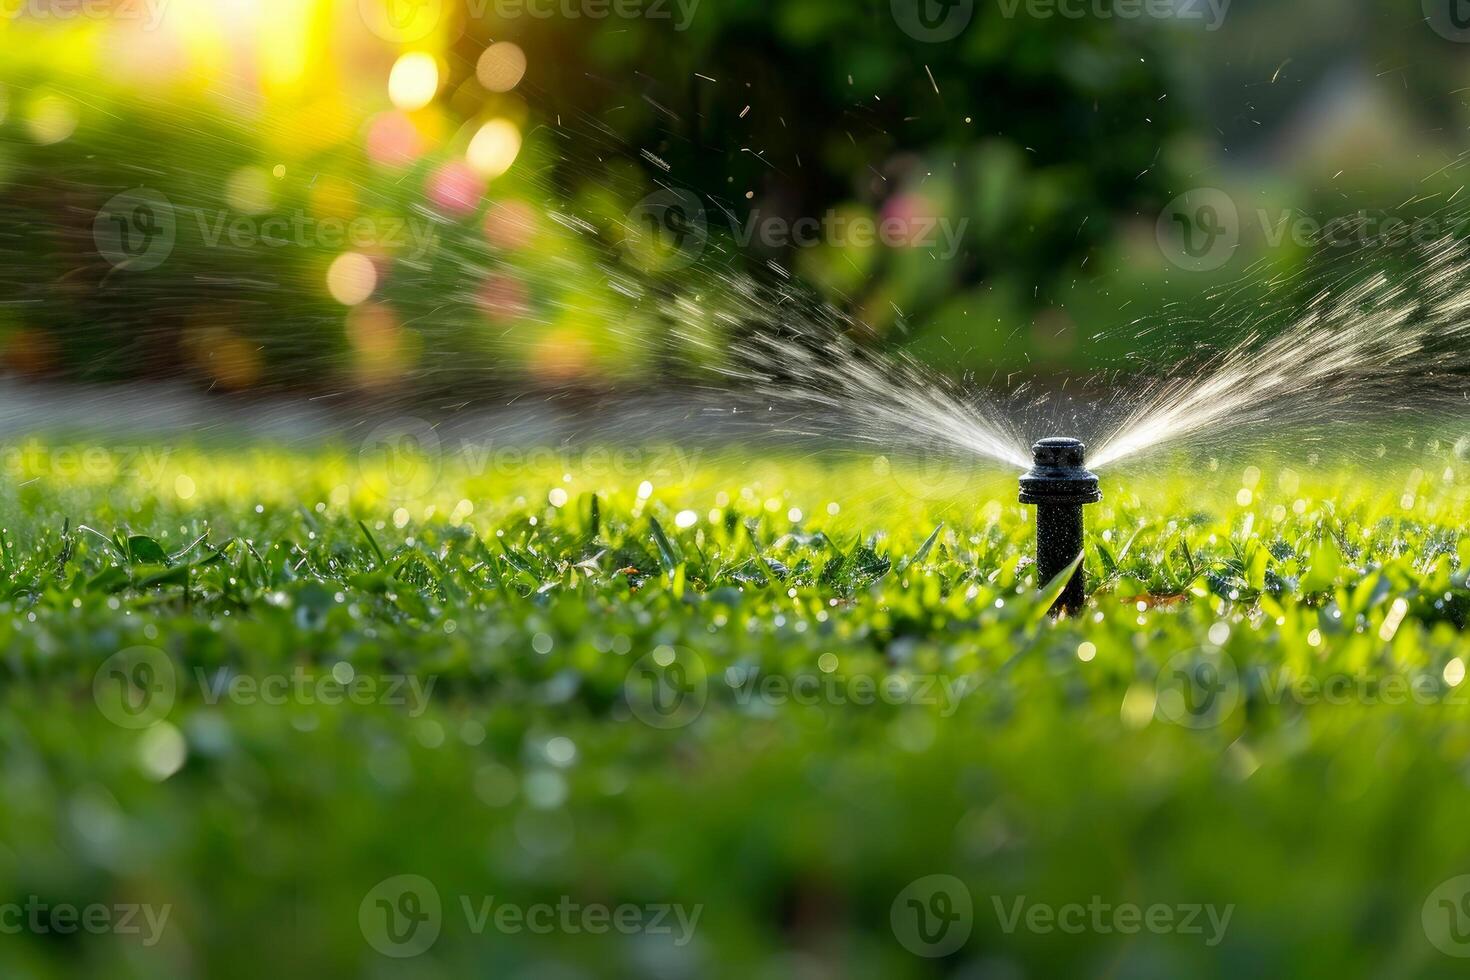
point(1059, 485)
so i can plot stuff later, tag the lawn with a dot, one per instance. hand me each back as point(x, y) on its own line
point(670, 712)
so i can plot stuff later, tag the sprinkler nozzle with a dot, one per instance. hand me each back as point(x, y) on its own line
point(1059, 485)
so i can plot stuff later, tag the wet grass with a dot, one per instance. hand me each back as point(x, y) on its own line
point(251, 686)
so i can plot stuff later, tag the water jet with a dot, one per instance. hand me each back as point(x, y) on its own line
point(1059, 484)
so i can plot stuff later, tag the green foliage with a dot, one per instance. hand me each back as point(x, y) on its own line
point(1263, 705)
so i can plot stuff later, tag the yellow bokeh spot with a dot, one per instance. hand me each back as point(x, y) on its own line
point(494, 148)
point(351, 278)
point(249, 190)
point(1454, 672)
point(414, 81)
point(51, 119)
point(183, 486)
point(333, 197)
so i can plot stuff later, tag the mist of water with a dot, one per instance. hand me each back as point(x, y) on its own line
point(1367, 347)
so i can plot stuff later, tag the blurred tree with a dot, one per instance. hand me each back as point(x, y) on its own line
point(1021, 136)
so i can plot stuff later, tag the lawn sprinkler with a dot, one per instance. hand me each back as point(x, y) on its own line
point(1058, 484)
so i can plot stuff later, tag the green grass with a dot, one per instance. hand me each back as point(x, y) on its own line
point(591, 703)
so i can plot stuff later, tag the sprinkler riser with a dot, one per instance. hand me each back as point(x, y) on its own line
point(1060, 486)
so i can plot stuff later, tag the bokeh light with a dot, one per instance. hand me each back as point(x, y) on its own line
point(333, 197)
point(352, 278)
point(494, 148)
point(414, 81)
point(562, 355)
point(501, 67)
point(377, 341)
point(230, 361)
point(51, 119)
point(510, 224)
point(504, 298)
point(455, 188)
point(393, 140)
point(249, 190)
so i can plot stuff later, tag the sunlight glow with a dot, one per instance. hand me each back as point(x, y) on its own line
point(414, 81)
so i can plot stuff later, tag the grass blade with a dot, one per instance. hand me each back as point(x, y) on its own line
point(667, 556)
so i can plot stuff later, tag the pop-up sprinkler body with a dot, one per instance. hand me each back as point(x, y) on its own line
point(1059, 485)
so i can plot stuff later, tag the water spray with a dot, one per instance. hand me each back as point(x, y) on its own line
point(1059, 485)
